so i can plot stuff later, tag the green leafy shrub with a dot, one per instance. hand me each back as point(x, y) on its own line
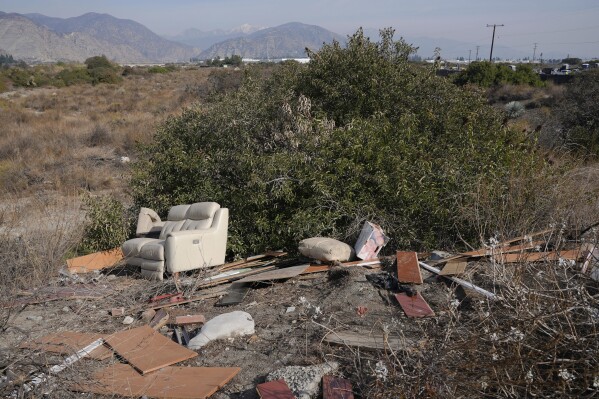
point(357, 134)
point(101, 70)
point(486, 74)
point(158, 69)
point(107, 224)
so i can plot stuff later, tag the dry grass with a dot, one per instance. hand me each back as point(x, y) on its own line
point(71, 138)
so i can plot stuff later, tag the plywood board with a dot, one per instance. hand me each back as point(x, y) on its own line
point(95, 261)
point(574, 254)
point(236, 294)
point(366, 340)
point(168, 383)
point(453, 268)
point(276, 389)
point(336, 388)
point(276, 274)
point(414, 306)
point(147, 350)
point(408, 270)
point(67, 343)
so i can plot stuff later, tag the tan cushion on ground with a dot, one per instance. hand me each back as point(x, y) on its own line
point(326, 249)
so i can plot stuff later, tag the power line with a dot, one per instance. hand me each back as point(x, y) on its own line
point(492, 40)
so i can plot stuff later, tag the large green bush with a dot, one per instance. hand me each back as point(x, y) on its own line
point(357, 134)
point(486, 74)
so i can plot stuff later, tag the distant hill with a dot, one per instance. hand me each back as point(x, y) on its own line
point(285, 41)
point(36, 37)
point(204, 39)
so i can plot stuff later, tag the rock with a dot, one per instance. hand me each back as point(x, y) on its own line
point(290, 309)
point(66, 309)
point(148, 315)
point(128, 320)
point(111, 277)
point(438, 255)
point(227, 325)
point(35, 318)
point(304, 382)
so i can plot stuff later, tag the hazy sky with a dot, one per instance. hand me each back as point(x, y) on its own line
point(564, 26)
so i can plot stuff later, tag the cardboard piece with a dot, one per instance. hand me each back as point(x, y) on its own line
point(414, 306)
point(147, 350)
point(453, 268)
point(336, 388)
point(168, 383)
point(67, 343)
point(95, 261)
point(276, 274)
point(276, 389)
point(370, 241)
point(408, 270)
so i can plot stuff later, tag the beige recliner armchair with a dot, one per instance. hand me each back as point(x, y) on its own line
point(193, 236)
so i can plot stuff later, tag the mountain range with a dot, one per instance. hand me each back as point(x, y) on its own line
point(38, 38)
point(204, 39)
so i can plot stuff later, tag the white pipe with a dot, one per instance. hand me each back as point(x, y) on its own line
point(461, 282)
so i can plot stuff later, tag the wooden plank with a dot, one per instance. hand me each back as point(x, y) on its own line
point(190, 319)
point(316, 269)
point(235, 295)
point(504, 249)
point(336, 388)
point(168, 383)
point(52, 293)
point(159, 320)
point(574, 254)
point(370, 341)
point(407, 268)
point(276, 274)
point(235, 277)
point(95, 261)
point(147, 350)
point(67, 343)
point(453, 268)
point(276, 389)
point(414, 306)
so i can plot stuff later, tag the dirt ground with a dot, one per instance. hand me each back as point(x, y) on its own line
point(323, 302)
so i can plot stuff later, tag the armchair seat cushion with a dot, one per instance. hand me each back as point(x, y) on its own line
point(132, 248)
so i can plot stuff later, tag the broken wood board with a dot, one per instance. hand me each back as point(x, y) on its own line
point(189, 319)
point(574, 254)
point(504, 249)
point(453, 268)
point(67, 343)
point(370, 341)
point(336, 388)
point(235, 277)
point(370, 263)
point(414, 306)
point(236, 294)
point(277, 274)
point(407, 268)
point(277, 389)
point(194, 299)
point(147, 350)
point(51, 293)
point(168, 383)
point(95, 261)
point(159, 320)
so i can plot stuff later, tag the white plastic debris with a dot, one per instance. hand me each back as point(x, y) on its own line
point(227, 325)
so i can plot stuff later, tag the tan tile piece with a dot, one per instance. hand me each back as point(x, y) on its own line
point(168, 383)
point(68, 343)
point(147, 350)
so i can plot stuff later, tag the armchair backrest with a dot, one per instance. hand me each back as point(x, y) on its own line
point(198, 216)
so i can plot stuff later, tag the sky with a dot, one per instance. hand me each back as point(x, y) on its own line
point(558, 27)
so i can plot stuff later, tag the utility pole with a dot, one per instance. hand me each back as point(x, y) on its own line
point(492, 40)
point(534, 52)
point(469, 54)
point(477, 47)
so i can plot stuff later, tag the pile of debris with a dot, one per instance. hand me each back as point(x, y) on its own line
point(143, 359)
